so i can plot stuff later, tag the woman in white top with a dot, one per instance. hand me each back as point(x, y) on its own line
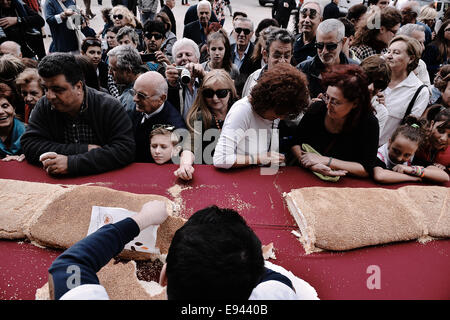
point(249, 134)
point(403, 57)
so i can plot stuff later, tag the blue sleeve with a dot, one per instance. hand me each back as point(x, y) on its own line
point(79, 264)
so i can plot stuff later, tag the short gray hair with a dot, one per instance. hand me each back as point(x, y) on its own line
point(183, 42)
point(408, 29)
point(332, 25)
point(128, 31)
point(204, 3)
point(246, 20)
point(316, 3)
point(128, 58)
point(279, 34)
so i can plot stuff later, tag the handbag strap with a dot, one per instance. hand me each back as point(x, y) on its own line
point(411, 103)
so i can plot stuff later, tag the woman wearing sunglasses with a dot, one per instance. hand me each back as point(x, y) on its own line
point(210, 107)
point(339, 135)
point(249, 134)
point(219, 51)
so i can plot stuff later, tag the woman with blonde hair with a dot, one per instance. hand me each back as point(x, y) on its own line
point(428, 16)
point(405, 94)
point(205, 120)
point(121, 17)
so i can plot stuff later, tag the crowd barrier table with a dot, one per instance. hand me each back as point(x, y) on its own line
point(405, 270)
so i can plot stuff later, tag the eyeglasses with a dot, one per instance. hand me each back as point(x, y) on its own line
point(118, 16)
point(140, 95)
point(246, 31)
point(328, 100)
point(221, 93)
point(168, 127)
point(331, 46)
point(307, 11)
point(93, 42)
point(157, 36)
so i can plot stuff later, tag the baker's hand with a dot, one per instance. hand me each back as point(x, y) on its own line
point(152, 213)
point(326, 170)
point(19, 158)
point(308, 159)
point(54, 163)
point(184, 172)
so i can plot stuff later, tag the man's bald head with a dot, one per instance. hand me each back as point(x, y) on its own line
point(151, 91)
point(154, 80)
point(11, 47)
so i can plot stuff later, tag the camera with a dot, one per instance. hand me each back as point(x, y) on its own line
point(185, 75)
point(148, 57)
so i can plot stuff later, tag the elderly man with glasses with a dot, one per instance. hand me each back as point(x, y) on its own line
point(307, 20)
point(330, 39)
point(152, 110)
point(242, 50)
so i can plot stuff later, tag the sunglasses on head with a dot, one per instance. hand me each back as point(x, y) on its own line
point(246, 31)
point(168, 127)
point(331, 46)
point(157, 36)
point(221, 93)
point(312, 13)
point(93, 42)
point(118, 16)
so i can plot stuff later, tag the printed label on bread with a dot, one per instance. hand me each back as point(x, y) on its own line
point(349, 218)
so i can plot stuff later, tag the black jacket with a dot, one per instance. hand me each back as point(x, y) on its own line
point(247, 68)
point(313, 67)
point(331, 11)
point(194, 32)
point(111, 127)
point(169, 13)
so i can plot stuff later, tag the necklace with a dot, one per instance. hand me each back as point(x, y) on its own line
point(219, 123)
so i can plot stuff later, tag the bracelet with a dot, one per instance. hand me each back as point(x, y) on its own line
point(329, 161)
point(418, 171)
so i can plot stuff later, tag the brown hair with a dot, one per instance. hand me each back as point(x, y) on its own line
point(200, 105)
point(377, 70)
point(283, 89)
point(173, 137)
point(389, 18)
point(27, 76)
point(442, 78)
point(413, 129)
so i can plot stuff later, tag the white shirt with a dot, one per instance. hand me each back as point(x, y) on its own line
point(397, 101)
point(380, 112)
point(244, 132)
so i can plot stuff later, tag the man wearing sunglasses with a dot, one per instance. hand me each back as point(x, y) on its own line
point(281, 11)
point(150, 92)
point(196, 30)
point(330, 39)
point(241, 52)
point(308, 19)
point(154, 37)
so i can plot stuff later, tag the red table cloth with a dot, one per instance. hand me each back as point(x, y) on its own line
point(406, 270)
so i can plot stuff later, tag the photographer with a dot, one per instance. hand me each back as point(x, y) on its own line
point(185, 77)
point(154, 37)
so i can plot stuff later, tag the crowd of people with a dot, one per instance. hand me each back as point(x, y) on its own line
point(362, 94)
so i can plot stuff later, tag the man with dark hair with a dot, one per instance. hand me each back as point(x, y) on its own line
point(331, 10)
point(214, 256)
point(154, 37)
point(75, 129)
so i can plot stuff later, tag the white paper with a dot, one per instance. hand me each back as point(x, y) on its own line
point(144, 242)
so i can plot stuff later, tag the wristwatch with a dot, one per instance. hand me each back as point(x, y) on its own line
point(19, 20)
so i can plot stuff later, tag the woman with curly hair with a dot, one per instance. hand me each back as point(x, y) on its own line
point(373, 39)
point(249, 134)
point(437, 53)
point(339, 134)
